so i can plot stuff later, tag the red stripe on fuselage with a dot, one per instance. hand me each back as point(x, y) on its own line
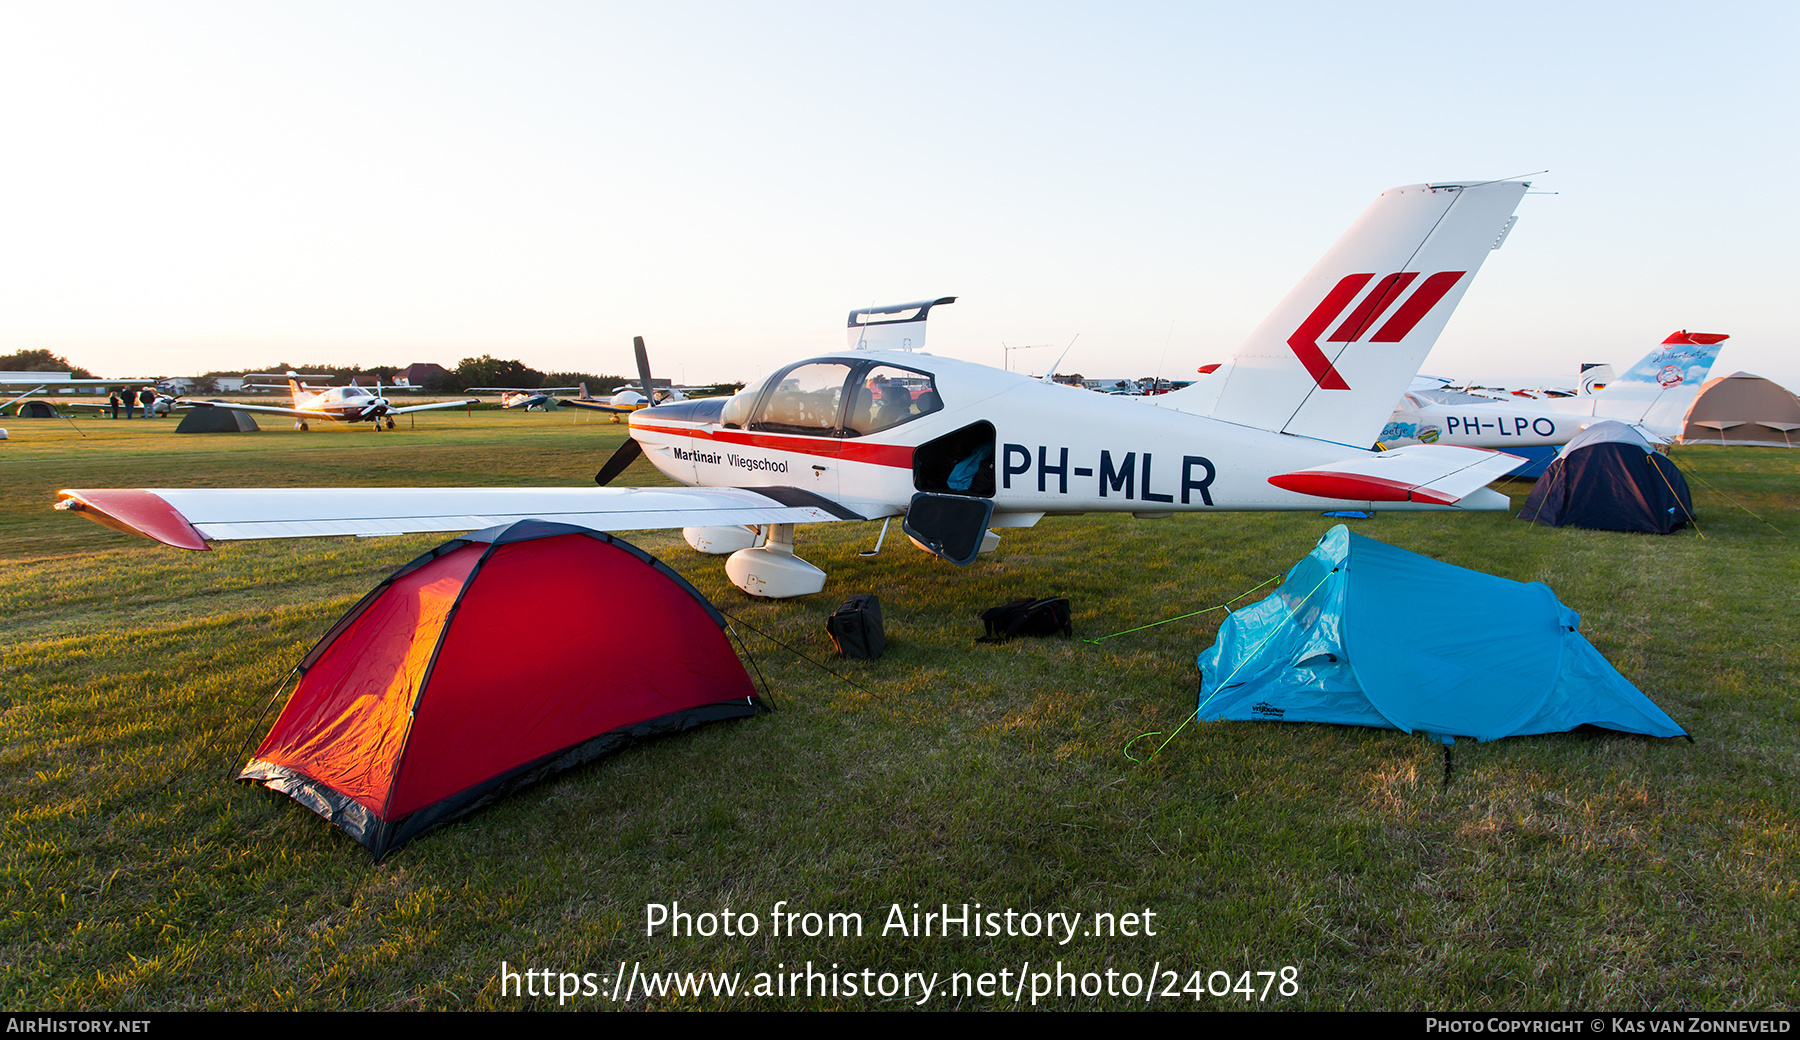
point(899, 456)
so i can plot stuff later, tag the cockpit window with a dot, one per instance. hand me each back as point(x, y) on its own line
point(737, 410)
point(807, 400)
point(885, 397)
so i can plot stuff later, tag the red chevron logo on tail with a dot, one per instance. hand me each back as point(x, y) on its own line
point(1305, 340)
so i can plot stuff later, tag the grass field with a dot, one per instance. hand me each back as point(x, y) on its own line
point(1583, 871)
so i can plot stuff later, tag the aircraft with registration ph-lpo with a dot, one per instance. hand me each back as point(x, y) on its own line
point(958, 449)
point(1653, 396)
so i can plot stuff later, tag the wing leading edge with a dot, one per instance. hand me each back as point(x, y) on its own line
point(190, 518)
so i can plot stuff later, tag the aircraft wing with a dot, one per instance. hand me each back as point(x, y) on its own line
point(266, 409)
point(28, 380)
point(573, 402)
point(1438, 474)
point(428, 407)
point(103, 405)
point(189, 518)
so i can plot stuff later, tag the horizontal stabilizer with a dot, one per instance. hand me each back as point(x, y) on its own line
point(189, 518)
point(898, 326)
point(1426, 473)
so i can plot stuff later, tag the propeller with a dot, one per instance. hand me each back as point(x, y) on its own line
point(625, 456)
point(378, 405)
point(643, 360)
point(630, 450)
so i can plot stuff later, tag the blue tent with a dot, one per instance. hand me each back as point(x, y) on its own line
point(1364, 634)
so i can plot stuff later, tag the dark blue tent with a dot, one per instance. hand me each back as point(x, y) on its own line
point(1609, 478)
point(1364, 634)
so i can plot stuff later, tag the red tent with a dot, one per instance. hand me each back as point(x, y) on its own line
point(488, 664)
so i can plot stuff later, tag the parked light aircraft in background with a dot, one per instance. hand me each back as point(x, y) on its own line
point(628, 399)
point(1653, 395)
point(39, 382)
point(343, 404)
point(540, 399)
point(150, 400)
point(958, 448)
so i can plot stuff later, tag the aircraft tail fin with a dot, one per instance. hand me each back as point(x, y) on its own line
point(1595, 377)
point(1657, 391)
point(1335, 355)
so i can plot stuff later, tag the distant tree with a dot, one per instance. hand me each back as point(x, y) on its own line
point(596, 384)
point(488, 370)
point(41, 361)
point(438, 382)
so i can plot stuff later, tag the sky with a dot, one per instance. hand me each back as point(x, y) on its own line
point(193, 186)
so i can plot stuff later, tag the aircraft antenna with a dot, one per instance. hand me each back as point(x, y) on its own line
point(1156, 384)
point(1050, 376)
point(1515, 177)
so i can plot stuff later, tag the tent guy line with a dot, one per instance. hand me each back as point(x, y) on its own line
point(1193, 613)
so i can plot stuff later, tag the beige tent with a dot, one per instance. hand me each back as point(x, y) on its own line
point(1743, 409)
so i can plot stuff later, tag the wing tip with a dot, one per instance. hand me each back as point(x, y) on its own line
point(134, 512)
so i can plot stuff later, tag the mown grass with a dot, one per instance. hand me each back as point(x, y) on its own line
point(1581, 870)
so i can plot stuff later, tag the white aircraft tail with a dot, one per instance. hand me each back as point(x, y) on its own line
point(1657, 391)
point(1336, 354)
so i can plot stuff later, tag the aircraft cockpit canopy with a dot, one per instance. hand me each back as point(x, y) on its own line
point(833, 398)
point(737, 410)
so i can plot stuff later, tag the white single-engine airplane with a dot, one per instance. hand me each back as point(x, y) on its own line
point(1653, 395)
point(343, 404)
point(628, 399)
point(958, 448)
point(540, 399)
